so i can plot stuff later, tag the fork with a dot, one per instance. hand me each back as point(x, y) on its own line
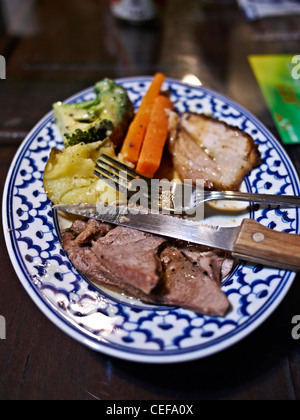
point(125, 179)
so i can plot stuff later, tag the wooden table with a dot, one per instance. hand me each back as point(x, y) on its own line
point(54, 49)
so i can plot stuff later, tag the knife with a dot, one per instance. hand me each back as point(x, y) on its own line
point(249, 242)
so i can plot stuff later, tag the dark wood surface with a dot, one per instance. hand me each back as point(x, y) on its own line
point(53, 50)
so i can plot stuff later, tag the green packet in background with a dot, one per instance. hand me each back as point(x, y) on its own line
point(279, 80)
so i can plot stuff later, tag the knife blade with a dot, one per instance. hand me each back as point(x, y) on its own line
point(251, 241)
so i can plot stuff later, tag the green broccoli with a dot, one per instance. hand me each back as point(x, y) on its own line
point(108, 115)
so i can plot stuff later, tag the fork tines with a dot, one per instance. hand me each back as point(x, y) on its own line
point(121, 175)
point(123, 178)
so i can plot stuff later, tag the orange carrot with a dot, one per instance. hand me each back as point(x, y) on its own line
point(155, 139)
point(133, 142)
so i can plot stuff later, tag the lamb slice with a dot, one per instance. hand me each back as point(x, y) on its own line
point(93, 230)
point(88, 264)
point(131, 256)
point(76, 243)
point(208, 149)
point(78, 227)
point(84, 259)
point(186, 286)
point(191, 162)
point(122, 259)
point(216, 264)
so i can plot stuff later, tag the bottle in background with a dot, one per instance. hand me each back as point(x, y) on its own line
point(135, 11)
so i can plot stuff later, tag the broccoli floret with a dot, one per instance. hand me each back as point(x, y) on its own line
point(100, 129)
point(108, 115)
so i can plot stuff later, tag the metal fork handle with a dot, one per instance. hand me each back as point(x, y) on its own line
point(267, 199)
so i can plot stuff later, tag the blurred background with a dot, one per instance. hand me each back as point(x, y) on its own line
point(55, 48)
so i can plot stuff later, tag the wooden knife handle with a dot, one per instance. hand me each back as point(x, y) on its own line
point(258, 244)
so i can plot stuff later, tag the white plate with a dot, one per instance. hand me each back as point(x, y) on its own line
point(120, 327)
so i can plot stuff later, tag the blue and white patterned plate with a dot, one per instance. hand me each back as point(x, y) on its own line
point(122, 327)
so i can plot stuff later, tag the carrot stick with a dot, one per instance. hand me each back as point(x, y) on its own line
point(133, 142)
point(155, 139)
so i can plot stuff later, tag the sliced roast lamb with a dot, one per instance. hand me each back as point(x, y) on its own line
point(189, 287)
point(122, 258)
point(207, 149)
point(216, 264)
point(131, 256)
point(147, 267)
